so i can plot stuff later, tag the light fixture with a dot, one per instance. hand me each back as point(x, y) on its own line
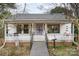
point(52, 27)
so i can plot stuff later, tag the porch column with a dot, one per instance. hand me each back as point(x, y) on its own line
point(73, 30)
point(46, 28)
point(33, 28)
point(30, 29)
point(22, 28)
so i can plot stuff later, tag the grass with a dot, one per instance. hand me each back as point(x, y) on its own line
point(62, 51)
point(13, 51)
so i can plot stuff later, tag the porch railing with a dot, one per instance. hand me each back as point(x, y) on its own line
point(31, 41)
point(46, 38)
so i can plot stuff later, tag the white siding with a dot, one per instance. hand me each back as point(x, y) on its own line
point(59, 36)
point(64, 29)
point(12, 30)
point(24, 37)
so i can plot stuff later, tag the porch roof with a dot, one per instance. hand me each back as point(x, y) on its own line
point(37, 17)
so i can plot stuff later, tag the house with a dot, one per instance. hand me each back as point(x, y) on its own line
point(23, 26)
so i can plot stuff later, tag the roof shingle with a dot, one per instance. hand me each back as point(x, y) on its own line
point(56, 16)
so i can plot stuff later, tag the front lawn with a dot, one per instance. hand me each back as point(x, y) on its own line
point(13, 51)
point(62, 51)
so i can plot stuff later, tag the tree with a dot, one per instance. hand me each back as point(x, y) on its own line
point(4, 13)
point(74, 14)
point(71, 10)
point(4, 9)
point(60, 9)
point(75, 9)
point(57, 10)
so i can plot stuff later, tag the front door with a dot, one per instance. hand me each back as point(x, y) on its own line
point(39, 32)
point(39, 29)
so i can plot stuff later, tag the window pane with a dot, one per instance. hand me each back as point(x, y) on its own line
point(26, 29)
point(53, 28)
point(19, 30)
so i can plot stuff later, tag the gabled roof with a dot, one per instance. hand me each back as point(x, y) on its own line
point(55, 16)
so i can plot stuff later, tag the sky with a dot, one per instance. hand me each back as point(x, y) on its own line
point(34, 8)
point(39, 1)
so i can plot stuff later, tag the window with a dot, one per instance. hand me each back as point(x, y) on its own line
point(53, 28)
point(26, 28)
point(19, 30)
point(22, 28)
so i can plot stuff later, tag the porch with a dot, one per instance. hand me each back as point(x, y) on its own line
point(39, 31)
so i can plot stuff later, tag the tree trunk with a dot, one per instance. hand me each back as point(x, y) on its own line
point(78, 34)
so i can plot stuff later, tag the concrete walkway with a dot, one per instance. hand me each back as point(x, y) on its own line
point(39, 49)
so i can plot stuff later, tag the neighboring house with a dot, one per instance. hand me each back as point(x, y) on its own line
point(55, 26)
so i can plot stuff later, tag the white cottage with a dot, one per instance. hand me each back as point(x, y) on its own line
point(54, 26)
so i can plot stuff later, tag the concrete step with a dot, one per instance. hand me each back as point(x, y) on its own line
point(38, 38)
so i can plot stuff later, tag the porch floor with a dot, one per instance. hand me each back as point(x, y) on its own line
point(39, 49)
